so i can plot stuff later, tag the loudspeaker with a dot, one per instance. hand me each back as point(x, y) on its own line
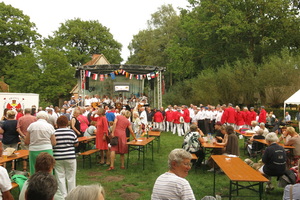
point(87, 83)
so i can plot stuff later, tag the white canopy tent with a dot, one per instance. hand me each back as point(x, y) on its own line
point(294, 99)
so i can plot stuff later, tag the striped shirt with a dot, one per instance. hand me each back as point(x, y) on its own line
point(169, 186)
point(65, 140)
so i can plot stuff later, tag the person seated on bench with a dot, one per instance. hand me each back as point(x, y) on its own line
point(5, 183)
point(44, 163)
point(172, 184)
point(293, 191)
point(86, 192)
point(291, 138)
point(41, 185)
point(192, 143)
point(274, 159)
point(255, 145)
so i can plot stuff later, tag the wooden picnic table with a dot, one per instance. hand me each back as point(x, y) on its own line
point(238, 171)
point(263, 141)
point(140, 145)
point(17, 155)
point(155, 134)
point(86, 138)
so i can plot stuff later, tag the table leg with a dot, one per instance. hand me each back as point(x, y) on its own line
point(143, 159)
point(214, 188)
point(128, 156)
point(260, 189)
point(230, 189)
point(152, 149)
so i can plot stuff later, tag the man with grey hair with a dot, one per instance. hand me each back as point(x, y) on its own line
point(172, 184)
point(41, 185)
point(274, 160)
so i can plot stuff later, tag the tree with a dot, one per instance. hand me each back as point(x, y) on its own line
point(18, 34)
point(149, 47)
point(80, 39)
point(57, 75)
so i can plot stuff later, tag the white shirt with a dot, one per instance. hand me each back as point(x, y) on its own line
point(40, 134)
point(5, 183)
point(143, 117)
point(170, 186)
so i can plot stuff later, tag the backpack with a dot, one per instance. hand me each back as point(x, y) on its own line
point(191, 142)
point(288, 177)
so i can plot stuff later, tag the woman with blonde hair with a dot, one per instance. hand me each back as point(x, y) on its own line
point(119, 130)
point(87, 192)
point(291, 138)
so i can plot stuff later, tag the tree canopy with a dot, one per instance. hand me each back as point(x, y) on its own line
point(80, 39)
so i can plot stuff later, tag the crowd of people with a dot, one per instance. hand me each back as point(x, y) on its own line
point(54, 131)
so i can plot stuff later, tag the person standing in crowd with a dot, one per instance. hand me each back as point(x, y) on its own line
point(287, 117)
point(169, 119)
point(252, 114)
point(163, 125)
point(228, 116)
point(246, 116)
point(101, 136)
point(186, 117)
point(83, 121)
point(9, 131)
point(176, 121)
point(239, 118)
point(22, 126)
point(200, 119)
point(64, 154)
point(172, 184)
point(158, 119)
point(19, 113)
point(149, 113)
point(274, 159)
point(143, 118)
point(75, 126)
point(40, 138)
point(262, 115)
point(119, 130)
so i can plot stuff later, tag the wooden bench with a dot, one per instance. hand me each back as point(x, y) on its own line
point(87, 154)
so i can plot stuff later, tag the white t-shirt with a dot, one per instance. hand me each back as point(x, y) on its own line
point(169, 186)
point(40, 134)
point(5, 183)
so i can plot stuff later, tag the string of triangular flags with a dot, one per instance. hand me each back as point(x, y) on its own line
point(113, 74)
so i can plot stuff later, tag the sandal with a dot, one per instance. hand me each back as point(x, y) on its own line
point(122, 167)
point(110, 168)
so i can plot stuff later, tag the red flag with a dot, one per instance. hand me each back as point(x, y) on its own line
point(101, 77)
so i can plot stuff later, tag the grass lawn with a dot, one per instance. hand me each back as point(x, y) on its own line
point(136, 183)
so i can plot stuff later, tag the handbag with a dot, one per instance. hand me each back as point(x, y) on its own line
point(114, 141)
point(107, 138)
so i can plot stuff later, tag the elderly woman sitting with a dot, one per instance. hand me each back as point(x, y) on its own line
point(172, 184)
point(86, 192)
point(291, 138)
point(274, 159)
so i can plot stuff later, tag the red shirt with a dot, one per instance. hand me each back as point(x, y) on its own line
point(262, 116)
point(158, 117)
point(169, 116)
point(228, 116)
point(186, 115)
point(239, 118)
point(177, 116)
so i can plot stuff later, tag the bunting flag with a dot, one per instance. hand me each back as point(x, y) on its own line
point(87, 74)
point(130, 76)
point(101, 77)
point(152, 75)
point(156, 74)
point(137, 77)
point(116, 72)
point(106, 76)
point(148, 77)
point(124, 72)
point(95, 76)
point(127, 75)
point(113, 76)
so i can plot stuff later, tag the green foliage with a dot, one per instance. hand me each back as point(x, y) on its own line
point(80, 39)
point(57, 77)
point(17, 36)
